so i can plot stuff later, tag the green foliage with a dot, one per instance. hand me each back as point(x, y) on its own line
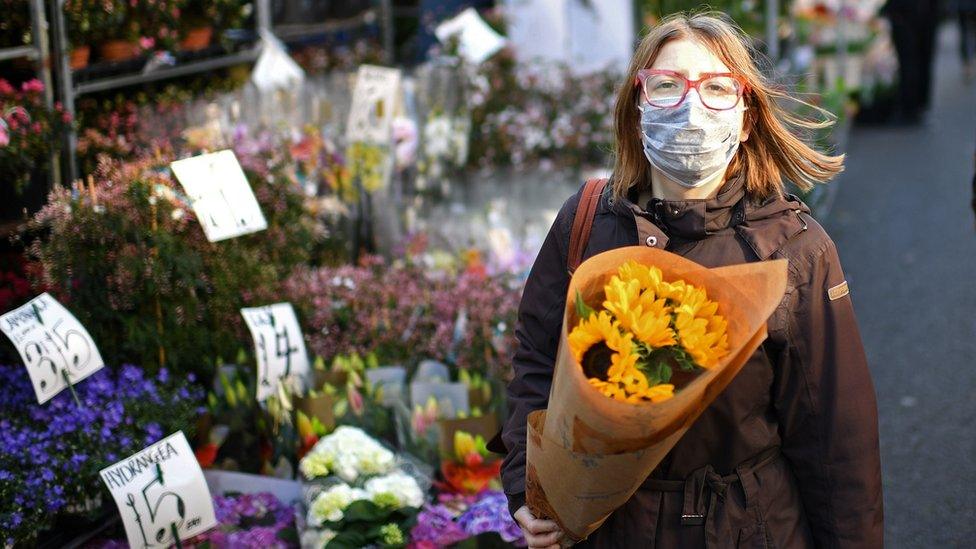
point(365, 523)
point(583, 311)
point(128, 258)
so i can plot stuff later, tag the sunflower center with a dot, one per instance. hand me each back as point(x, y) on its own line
point(596, 361)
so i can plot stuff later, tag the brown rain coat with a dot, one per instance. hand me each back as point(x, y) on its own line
point(787, 456)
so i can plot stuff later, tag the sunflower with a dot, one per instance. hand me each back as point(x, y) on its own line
point(599, 328)
point(701, 331)
point(632, 299)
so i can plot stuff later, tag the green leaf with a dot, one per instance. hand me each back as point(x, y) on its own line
point(365, 511)
point(347, 539)
point(582, 309)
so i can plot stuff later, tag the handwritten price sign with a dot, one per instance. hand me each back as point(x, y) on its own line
point(222, 197)
point(279, 345)
point(57, 350)
point(161, 494)
point(373, 99)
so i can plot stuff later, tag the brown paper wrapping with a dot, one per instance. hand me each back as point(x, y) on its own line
point(587, 454)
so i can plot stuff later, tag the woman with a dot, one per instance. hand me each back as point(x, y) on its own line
point(787, 455)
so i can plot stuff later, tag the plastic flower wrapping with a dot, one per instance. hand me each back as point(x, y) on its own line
point(647, 329)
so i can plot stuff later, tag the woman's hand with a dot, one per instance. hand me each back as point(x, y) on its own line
point(540, 534)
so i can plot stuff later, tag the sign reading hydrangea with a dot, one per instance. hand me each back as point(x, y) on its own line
point(161, 494)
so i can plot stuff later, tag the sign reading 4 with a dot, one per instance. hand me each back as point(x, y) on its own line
point(278, 344)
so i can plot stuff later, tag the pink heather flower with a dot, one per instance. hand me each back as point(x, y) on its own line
point(33, 85)
point(147, 42)
point(4, 136)
point(5, 87)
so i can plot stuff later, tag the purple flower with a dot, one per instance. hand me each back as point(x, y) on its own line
point(490, 514)
point(435, 524)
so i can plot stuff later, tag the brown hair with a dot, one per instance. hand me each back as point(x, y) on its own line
point(771, 154)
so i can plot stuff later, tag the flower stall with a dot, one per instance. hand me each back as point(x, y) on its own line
point(397, 231)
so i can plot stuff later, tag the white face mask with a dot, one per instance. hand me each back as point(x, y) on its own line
point(689, 143)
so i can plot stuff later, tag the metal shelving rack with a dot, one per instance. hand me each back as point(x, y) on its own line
point(69, 90)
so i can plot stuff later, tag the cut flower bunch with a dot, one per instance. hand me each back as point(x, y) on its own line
point(649, 337)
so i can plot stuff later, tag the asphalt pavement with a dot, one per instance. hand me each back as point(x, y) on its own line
point(904, 228)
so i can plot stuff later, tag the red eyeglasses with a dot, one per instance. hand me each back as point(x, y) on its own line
point(719, 91)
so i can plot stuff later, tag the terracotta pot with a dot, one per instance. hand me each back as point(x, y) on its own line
point(197, 39)
point(79, 57)
point(118, 50)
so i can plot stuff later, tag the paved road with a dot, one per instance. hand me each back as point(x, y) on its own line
point(906, 236)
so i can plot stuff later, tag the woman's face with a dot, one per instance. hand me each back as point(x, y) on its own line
point(691, 59)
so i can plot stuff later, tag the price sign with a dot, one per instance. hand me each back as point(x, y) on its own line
point(221, 196)
point(56, 348)
point(373, 100)
point(161, 494)
point(279, 345)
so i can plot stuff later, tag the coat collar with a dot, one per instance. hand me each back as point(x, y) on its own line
point(766, 227)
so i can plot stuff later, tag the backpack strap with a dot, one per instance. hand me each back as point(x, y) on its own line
point(583, 221)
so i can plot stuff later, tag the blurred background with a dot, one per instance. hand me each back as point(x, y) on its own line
point(491, 115)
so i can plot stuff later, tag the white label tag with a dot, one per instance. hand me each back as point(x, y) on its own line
point(278, 344)
point(477, 40)
point(161, 491)
point(373, 101)
point(53, 345)
point(221, 196)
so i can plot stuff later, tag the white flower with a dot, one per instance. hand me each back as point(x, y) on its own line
point(316, 539)
point(315, 465)
point(397, 487)
point(348, 453)
point(329, 505)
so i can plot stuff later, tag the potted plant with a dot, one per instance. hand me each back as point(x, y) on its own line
point(200, 18)
point(29, 133)
point(83, 20)
point(117, 27)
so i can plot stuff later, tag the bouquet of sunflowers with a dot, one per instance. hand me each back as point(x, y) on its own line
point(649, 339)
point(650, 328)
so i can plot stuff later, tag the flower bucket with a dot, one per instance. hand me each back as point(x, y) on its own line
point(322, 376)
point(486, 426)
point(118, 50)
point(318, 407)
point(79, 57)
point(197, 39)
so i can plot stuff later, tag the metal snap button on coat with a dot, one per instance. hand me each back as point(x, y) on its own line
point(651, 241)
